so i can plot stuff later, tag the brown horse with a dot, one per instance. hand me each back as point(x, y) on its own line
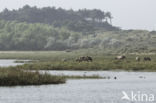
point(84, 58)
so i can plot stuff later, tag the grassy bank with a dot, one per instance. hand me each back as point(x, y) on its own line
point(10, 77)
point(53, 60)
point(97, 65)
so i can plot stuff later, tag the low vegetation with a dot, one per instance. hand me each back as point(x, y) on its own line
point(13, 77)
point(92, 66)
point(61, 60)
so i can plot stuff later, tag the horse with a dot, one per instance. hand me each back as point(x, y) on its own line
point(122, 57)
point(137, 58)
point(84, 58)
point(147, 59)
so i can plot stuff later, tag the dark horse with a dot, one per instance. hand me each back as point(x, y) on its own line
point(147, 59)
point(84, 58)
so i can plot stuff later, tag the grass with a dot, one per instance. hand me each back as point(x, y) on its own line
point(34, 55)
point(52, 60)
point(101, 65)
point(14, 77)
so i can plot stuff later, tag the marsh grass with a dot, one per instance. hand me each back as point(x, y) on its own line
point(13, 77)
point(91, 66)
point(52, 60)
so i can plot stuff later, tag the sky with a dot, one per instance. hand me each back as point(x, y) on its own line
point(127, 14)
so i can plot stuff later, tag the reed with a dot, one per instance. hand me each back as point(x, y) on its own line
point(14, 77)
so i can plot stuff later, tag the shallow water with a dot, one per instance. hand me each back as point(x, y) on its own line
point(84, 91)
point(130, 76)
point(8, 62)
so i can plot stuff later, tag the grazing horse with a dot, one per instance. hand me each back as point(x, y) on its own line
point(84, 58)
point(137, 59)
point(122, 57)
point(147, 59)
point(89, 59)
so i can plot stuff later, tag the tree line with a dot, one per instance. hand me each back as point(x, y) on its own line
point(24, 36)
point(50, 28)
point(16, 35)
point(84, 20)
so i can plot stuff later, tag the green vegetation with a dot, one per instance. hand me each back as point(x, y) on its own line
point(85, 21)
point(71, 34)
point(129, 41)
point(24, 36)
point(35, 32)
point(13, 77)
point(59, 29)
point(53, 61)
point(128, 65)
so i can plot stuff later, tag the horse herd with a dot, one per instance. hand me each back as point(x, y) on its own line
point(137, 58)
point(122, 57)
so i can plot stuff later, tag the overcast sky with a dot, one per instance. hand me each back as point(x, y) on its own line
point(128, 14)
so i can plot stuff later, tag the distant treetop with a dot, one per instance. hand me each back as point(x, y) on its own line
point(83, 20)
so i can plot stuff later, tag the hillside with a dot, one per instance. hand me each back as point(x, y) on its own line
point(130, 41)
point(28, 36)
point(31, 28)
